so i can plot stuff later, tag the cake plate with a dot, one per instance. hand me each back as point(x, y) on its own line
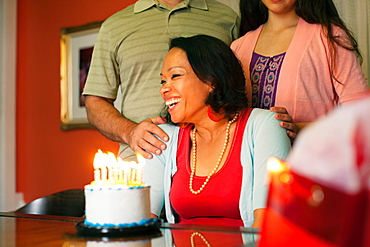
point(150, 228)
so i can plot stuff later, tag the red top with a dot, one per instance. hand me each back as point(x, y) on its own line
point(218, 203)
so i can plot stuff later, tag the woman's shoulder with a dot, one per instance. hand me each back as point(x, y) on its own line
point(320, 28)
point(261, 118)
point(263, 124)
point(260, 114)
point(169, 128)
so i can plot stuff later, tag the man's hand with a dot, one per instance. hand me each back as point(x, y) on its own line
point(286, 121)
point(142, 139)
point(109, 121)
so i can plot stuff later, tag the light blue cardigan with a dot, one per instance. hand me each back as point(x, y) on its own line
point(263, 138)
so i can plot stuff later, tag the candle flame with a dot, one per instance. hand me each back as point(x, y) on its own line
point(111, 160)
point(279, 171)
point(123, 164)
point(98, 159)
point(141, 160)
point(110, 170)
point(275, 165)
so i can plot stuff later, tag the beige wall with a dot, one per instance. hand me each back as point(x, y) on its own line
point(355, 13)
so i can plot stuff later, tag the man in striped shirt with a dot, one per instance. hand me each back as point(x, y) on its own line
point(128, 53)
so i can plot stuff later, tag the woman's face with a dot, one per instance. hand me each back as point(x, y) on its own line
point(280, 6)
point(184, 93)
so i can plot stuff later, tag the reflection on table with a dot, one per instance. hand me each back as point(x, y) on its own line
point(41, 230)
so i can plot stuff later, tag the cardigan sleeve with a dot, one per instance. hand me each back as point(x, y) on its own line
point(263, 138)
point(153, 175)
point(157, 171)
point(347, 71)
point(268, 140)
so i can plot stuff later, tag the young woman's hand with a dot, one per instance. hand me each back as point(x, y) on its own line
point(286, 121)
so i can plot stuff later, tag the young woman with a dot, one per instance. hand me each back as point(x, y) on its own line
point(214, 168)
point(299, 58)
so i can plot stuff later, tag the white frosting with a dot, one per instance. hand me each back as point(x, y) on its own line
point(116, 204)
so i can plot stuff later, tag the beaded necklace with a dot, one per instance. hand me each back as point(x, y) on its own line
point(201, 236)
point(194, 160)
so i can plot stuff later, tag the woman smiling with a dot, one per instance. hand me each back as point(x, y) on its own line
point(214, 168)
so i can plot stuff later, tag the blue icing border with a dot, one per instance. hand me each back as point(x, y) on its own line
point(131, 187)
point(134, 224)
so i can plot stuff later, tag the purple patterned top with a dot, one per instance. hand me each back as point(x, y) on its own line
point(264, 77)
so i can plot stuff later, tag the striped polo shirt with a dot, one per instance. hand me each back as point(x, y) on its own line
point(132, 43)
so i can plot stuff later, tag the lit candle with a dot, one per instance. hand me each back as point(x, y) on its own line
point(274, 165)
point(278, 170)
point(139, 168)
point(97, 165)
point(124, 168)
point(112, 170)
point(132, 179)
point(104, 175)
point(111, 163)
point(120, 170)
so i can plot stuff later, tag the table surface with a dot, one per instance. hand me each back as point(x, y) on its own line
point(45, 230)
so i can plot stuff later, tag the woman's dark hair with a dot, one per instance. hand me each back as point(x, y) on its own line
point(214, 63)
point(254, 13)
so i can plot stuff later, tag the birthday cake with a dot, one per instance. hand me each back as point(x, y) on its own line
point(117, 197)
point(117, 205)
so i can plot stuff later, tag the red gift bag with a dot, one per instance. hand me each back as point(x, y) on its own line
point(303, 212)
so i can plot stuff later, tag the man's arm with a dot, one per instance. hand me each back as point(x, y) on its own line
point(108, 121)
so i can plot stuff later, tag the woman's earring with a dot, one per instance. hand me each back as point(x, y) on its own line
point(214, 116)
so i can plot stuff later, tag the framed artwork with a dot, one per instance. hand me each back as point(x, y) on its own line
point(76, 47)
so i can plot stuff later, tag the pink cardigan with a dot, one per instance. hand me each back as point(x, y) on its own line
point(306, 88)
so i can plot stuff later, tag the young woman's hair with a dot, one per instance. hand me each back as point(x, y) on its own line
point(214, 63)
point(254, 13)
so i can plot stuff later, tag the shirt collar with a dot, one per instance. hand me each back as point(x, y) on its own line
point(142, 5)
point(199, 4)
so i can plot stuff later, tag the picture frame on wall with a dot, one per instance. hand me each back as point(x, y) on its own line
point(76, 47)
